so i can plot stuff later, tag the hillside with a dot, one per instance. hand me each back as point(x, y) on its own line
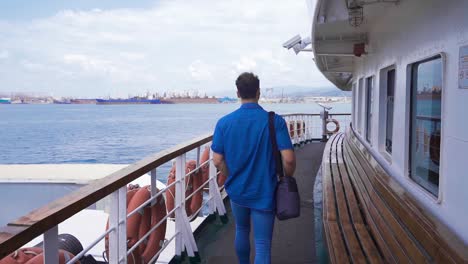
point(295, 91)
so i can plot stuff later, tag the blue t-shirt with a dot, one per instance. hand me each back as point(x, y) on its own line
point(243, 138)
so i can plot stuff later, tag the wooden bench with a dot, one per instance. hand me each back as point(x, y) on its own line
point(369, 218)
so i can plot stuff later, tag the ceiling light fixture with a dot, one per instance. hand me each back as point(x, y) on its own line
point(355, 14)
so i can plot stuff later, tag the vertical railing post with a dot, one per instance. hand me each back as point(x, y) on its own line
point(154, 188)
point(324, 116)
point(299, 136)
point(304, 135)
point(198, 157)
point(296, 135)
point(51, 253)
point(122, 224)
point(118, 221)
point(299, 132)
point(179, 204)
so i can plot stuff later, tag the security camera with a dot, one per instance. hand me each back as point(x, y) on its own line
point(293, 41)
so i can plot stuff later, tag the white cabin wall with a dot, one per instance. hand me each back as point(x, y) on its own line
point(409, 32)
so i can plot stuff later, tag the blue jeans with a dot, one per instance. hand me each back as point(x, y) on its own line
point(263, 222)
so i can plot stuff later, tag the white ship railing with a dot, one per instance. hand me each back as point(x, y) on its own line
point(45, 220)
point(305, 127)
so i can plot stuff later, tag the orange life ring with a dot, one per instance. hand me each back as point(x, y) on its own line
point(170, 194)
point(21, 255)
point(197, 198)
point(140, 225)
point(156, 238)
point(337, 126)
point(130, 194)
point(300, 128)
point(205, 169)
point(137, 223)
point(34, 255)
point(64, 257)
point(292, 129)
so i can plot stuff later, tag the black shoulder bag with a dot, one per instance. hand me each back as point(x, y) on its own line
point(287, 194)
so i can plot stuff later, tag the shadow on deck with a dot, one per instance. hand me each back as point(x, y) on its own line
point(293, 240)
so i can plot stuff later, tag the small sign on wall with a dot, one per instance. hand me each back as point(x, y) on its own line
point(463, 68)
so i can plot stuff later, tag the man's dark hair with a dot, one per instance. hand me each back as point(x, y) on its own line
point(247, 85)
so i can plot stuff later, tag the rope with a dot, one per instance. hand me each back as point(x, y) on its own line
point(15, 254)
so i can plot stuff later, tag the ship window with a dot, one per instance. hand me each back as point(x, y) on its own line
point(425, 123)
point(369, 82)
point(360, 103)
point(354, 105)
point(389, 104)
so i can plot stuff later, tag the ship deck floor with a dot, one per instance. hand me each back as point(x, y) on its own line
point(293, 240)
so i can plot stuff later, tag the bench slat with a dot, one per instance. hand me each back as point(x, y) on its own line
point(350, 236)
point(333, 238)
point(329, 209)
point(337, 244)
point(368, 245)
point(389, 245)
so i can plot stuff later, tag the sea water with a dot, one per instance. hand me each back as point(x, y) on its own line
point(113, 134)
point(96, 134)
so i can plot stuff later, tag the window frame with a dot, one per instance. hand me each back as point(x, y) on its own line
point(409, 99)
point(369, 107)
point(360, 95)
point(382, 107)
point(353, 106)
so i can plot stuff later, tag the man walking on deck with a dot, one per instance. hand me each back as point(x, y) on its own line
point(243, 151)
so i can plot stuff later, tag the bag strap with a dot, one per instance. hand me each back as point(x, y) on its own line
point(276, 152)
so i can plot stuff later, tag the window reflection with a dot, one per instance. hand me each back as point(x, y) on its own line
point(426, 96)
point(389, 116)
point(360, 104)
point(368, 109)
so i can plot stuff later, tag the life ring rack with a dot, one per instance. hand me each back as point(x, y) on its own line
point(337, 126)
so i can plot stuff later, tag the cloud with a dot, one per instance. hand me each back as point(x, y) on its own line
point(32, 66)
point(245, 64)
point(88, 63)
point(200, 71)
point(4, 54)
point(176, 44)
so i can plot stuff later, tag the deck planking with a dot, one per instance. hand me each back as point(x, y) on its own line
point(293, 240)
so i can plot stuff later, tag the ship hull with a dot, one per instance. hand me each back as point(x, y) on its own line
point(126, 102)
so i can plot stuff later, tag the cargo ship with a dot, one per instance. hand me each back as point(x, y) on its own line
point(189, 100)
point(127, 101)
point(83, 101)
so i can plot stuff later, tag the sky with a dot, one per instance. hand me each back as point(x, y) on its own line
point(119, 48)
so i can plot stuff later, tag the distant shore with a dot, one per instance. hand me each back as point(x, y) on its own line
point(210, 100)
